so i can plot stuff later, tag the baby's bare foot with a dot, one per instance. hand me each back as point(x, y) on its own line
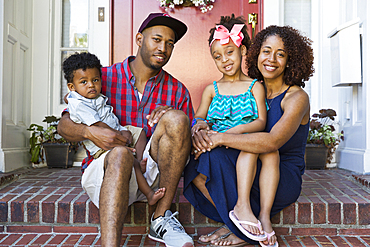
point(153, 197)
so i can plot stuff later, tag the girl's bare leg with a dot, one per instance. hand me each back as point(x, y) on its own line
point(268, 182)
point(246, 166)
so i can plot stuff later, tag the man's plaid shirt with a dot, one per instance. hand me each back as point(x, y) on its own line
point(162, 89)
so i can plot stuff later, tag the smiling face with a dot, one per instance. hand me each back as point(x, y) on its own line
point(87, 83)
point(272, 59)
point(156, 46)
point(227, 57)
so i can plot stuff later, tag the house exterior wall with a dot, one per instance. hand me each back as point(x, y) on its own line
point(350, 103)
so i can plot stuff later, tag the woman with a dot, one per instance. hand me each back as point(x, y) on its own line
point(283, 59)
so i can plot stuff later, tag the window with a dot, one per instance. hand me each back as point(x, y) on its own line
point(75, 27)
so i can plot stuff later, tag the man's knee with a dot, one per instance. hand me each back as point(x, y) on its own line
point(176, 121)
point(120, 158)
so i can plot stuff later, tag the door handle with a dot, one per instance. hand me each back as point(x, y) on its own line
point(252, 19)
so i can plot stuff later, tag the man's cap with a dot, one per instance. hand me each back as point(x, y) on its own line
point(163, 19)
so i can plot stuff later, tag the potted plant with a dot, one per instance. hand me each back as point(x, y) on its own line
point(58, 152)
point(322, 141)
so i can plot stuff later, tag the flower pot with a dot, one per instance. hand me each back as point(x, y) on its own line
point(315, 156)
point(59, 155)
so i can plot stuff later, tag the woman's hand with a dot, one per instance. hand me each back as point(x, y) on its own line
point(203, 142)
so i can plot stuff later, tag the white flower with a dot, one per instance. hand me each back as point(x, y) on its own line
point(172, 6)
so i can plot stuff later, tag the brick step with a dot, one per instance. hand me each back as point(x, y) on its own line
point(332, 203)
point(142, 240)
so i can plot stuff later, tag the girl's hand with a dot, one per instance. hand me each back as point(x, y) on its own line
point(202, 142)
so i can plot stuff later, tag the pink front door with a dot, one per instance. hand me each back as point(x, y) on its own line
point(191, 61)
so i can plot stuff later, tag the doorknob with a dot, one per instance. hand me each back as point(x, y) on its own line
point(252, 19)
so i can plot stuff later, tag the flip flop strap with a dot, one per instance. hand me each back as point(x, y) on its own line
point(250, 223)
point(213, 232)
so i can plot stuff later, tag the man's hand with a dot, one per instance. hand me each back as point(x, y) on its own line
point(106, 138)
point(128, 135)
point(156, 114)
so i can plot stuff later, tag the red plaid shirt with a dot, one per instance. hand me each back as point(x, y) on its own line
point(162, 89)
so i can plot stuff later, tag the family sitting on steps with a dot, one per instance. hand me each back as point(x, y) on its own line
point(241, 153)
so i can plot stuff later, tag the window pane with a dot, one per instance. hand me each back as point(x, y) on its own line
point(75, 23)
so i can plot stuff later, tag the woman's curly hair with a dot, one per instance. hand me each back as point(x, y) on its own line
point(298, 47)
point(228, 22)
point(80, 61)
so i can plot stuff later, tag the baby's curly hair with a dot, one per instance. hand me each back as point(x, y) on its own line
point(228, 22)
point(80, 61)
point(298, 47)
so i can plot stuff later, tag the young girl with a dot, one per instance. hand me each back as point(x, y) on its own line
point(235, 104)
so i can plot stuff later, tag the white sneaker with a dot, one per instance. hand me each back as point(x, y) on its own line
point(168, 230)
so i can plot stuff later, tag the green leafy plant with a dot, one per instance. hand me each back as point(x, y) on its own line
point(40, 135)
point(322, 131)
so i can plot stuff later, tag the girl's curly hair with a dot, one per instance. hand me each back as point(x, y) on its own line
point(80, 61)
point(298, 47)
point(228, 22)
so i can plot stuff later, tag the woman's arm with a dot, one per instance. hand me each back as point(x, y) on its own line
point(296, 110)
point(260, 123)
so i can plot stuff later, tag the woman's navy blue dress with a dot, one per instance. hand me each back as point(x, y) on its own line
point(219, 168)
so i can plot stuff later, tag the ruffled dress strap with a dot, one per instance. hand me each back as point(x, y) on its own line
point(215, 86)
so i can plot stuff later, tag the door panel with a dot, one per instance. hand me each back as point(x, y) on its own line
point(16, 85)
point(191, 61)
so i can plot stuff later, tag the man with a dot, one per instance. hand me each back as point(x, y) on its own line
point(143, 95)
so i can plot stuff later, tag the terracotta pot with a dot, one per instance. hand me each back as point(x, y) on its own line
point(315, 156)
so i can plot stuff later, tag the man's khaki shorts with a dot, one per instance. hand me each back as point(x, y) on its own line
point(92, 178)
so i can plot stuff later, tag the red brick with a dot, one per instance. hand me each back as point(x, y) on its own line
point(4, 207)
point(134, 230)
point(292, 241)
point(41, 240)
point(275, 219)
point(304, 211)
point(364, 214)
point(133, 241)
point(29, 229)
point(289, 214)
point(185, 213)
point(26, 239)
point(17, 209)
point(88, 240)
point(58, 239)
point(350, 231)
point(93, 213)
point(33, 209)
point(64, 206)
point(339, 241)
point(314, 231)
point(354, 241)
point(307, 241)
point(10, 239)
point(75, 229)
point(79, 209)
point(366, 239)
point(140, 213)
point(72, 240)
point(199, 218)
point(334, 212)
point(319, 213)
point(281, 230)
point(48, 209)
point(324, 241)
